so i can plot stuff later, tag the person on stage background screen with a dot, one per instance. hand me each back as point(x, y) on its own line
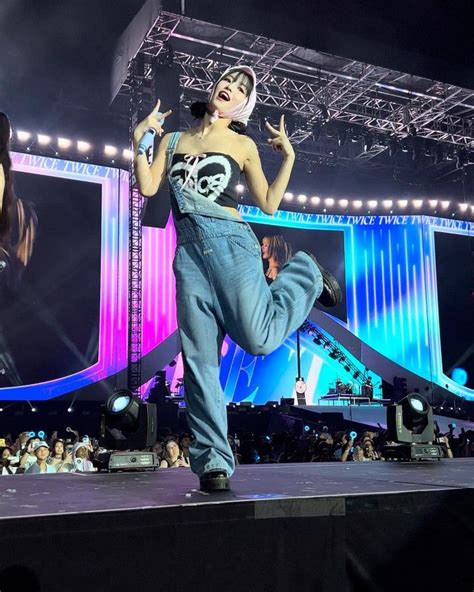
point(220, 285)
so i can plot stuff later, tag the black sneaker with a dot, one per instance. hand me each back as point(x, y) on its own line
point(214, 481)
point(332, 293)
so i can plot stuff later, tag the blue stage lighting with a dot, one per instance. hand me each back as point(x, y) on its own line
point(459, 375)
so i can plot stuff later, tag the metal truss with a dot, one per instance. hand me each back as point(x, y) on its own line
point(134, 374)
point(306, 83)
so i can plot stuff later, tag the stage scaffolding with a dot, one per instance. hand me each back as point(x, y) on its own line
point(312, 88)
point(301, 81)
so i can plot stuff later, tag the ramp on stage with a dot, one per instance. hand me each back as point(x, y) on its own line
point(317, 526)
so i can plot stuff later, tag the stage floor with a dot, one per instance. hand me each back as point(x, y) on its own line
point(48, 495)
point(328, 527)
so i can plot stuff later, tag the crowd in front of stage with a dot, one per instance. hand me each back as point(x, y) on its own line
point(30, 454)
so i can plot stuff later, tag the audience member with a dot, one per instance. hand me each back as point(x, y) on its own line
point(41, 452)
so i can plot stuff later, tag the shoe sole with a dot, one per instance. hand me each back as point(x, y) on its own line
point(332, 293)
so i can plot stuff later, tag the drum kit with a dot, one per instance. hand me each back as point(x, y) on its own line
point(342, 388)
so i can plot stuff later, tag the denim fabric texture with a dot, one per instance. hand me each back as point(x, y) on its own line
point(221, 290)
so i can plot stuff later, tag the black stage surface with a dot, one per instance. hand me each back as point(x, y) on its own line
point(318, 526)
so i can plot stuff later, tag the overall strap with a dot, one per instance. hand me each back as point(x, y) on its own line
point(171, 148)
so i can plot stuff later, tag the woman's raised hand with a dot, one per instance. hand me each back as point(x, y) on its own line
point(154, 120)
point(280, 140)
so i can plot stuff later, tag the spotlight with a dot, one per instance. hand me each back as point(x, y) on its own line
point(343, 203)
point(70, 409)
point(354, 136)
point(288, 196)
point(387, 203)
point(302, 198)
point(83, 146)
point(445, 205)
point(372, 203)
point(357, 203)
point(417, 203)
point(110, 150)
point(317, 340)
point(433, 203)
point(334, 354)
point(43, 139)
point(64, 143)
point(463, 207)
point(329, 201)
point(34, 409)
point(127, 422)
point(410, 425)
point(356, 374)
point(450, 153)
point(240, 188)
point(315, 200)
point(23, 136)
point(402, 203)
point(127, 154)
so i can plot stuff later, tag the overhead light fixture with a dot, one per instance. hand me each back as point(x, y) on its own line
point(343, 203)
point(288, 196)
point(315, 200)
point(357, 203)
point(43, 139)
point(83, 146)
point(64, 143)
point(444, 204)
point(402, 203)
point(387, 203)
point(127, 154)
point(372, 203)
point(329, 201)
point(240, 187)
point(110, 150)
point(23, 136)
point(302, 198)
point(433, 203)
point(417, 203)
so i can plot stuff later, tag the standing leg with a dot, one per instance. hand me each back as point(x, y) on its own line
point(201, 340)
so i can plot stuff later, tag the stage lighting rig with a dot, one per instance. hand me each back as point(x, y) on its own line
point(410, 428)
point(127, 423)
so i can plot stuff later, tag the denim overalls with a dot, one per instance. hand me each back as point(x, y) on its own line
point(221, 290)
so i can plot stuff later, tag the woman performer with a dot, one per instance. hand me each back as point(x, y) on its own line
point(220, 285)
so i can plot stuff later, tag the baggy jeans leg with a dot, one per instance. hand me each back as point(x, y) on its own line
point(201, 340)
point(256, 316)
